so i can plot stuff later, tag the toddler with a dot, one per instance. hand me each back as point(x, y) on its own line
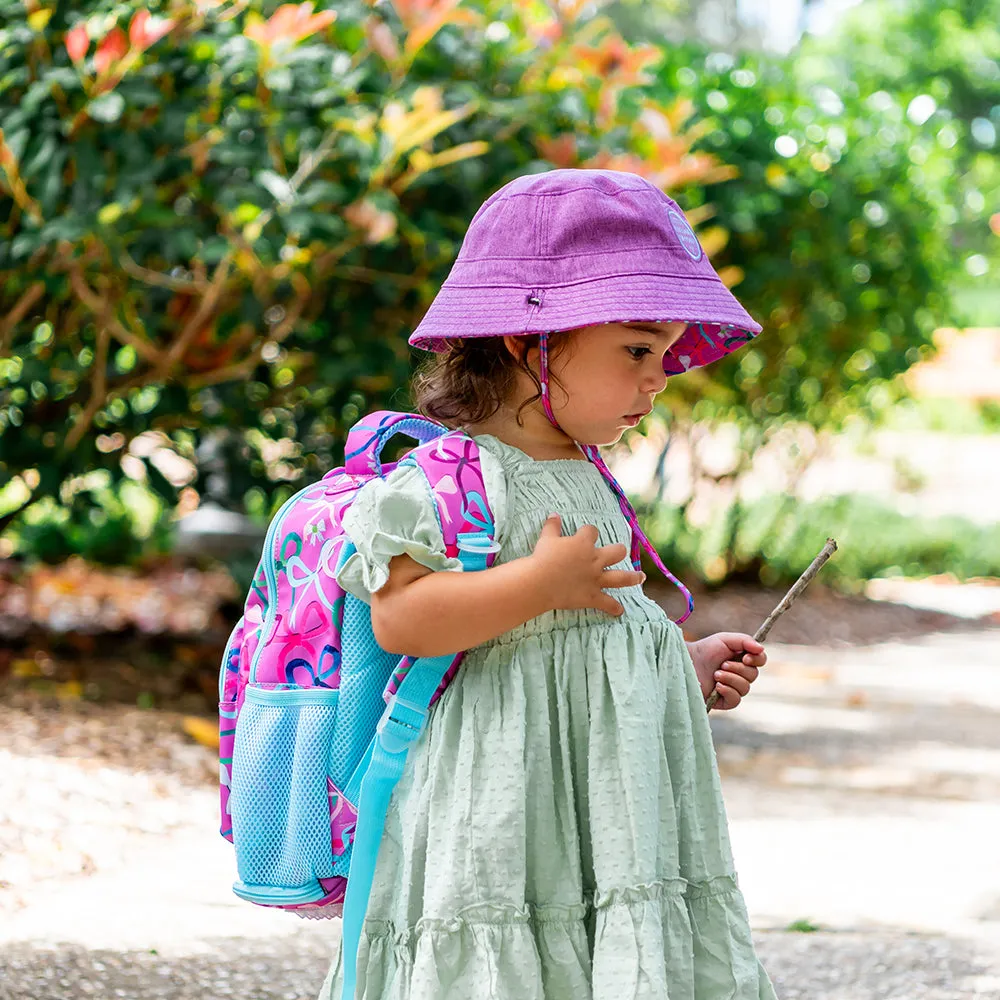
point(559, 832)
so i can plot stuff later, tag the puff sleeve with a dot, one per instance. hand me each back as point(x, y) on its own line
point(397, 516)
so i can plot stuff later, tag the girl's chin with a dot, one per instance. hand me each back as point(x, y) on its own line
point(599, 436)
point(608, 438)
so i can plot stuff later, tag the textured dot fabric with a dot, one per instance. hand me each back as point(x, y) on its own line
point(559, 832)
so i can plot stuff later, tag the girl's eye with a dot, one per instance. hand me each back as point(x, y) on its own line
point(638, 353)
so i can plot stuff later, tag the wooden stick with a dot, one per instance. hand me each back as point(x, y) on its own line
point(786, 602)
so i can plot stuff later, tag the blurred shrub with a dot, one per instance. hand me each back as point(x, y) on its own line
point(219, 221)
point(779, 536)
point(934, 65)
point(949, 416)
point(843, 248)
point(842, 256)
point(104, 524)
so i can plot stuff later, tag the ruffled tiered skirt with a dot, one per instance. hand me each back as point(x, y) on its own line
point(560, 833)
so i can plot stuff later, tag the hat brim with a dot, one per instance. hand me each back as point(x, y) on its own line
point(717, 323)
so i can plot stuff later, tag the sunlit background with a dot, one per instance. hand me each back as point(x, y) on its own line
point(219, 221)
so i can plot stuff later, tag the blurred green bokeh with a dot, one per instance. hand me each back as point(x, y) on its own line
point(219, 221)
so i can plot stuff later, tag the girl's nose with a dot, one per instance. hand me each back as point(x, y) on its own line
point(656, 379)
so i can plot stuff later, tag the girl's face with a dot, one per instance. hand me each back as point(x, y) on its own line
point(608, 376)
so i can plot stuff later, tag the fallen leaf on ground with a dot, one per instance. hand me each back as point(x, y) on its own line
point(204, 732)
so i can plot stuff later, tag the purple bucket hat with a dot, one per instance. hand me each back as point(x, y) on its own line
point(572, 248)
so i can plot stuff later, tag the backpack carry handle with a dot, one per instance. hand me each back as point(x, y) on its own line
point(367, 438)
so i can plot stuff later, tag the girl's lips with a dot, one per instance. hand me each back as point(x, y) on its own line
point(634, 419)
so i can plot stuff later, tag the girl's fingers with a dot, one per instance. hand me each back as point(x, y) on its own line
point(610, 605)
point(740, 642)
point(750, 659)
point(744, 648)
point(611, 554)
point(751, 673)
point(621, 578)
point(728, 697)
point(552, 526)
point(735, 681)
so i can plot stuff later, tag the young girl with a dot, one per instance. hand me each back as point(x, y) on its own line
point(559, 831)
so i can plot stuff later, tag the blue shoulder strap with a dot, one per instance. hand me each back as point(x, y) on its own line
point(380, 770)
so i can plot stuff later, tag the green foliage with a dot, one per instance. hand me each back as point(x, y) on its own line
point(217, 230)
point(219, 221)
point(951, 416)
point(778, 536)
point(102, 523)
point(842, 257)
point(841, 229)
point(938, 63)
point(803, 926)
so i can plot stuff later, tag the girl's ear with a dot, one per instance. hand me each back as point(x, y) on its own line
point(517, 348)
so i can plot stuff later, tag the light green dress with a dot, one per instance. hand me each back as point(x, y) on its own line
point(559, 832)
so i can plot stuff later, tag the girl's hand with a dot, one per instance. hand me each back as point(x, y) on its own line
point(727, 662)
point(573, 571)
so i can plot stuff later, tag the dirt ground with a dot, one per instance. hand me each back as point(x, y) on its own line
point(861, 781)
point(819, 617)
point(177, 673)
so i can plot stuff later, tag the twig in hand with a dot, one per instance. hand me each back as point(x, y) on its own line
point(786, 602)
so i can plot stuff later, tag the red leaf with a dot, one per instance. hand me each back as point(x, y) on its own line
point(137, 29)
point(77, 42)
point(112, 48)
point(144, 30)
point(290, 22)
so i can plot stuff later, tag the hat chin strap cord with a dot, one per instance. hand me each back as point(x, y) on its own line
point(639, 539)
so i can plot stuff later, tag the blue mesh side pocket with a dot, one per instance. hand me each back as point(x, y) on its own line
point(279, 801)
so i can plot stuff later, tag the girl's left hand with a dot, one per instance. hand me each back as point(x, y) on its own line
point(727, 662)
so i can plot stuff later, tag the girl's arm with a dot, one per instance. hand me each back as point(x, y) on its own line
point(422, 613)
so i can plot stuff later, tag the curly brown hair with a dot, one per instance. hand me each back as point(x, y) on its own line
point(469, 382)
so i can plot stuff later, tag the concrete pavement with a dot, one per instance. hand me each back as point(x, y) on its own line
point(862, 789)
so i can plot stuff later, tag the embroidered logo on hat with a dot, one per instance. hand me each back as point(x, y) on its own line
point(685, 234)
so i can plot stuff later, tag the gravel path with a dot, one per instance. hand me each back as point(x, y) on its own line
point(819, 966)
point(862, 786)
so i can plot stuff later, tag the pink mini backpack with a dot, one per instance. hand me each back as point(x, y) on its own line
point(316, 720)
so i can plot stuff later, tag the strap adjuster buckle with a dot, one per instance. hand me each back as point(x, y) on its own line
point(401, 724)
point(477, 541)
